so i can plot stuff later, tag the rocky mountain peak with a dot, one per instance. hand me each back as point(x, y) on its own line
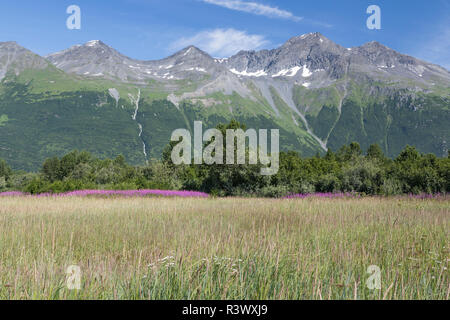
point(94, 58)
point(295, 59)
point(193, 51)
point(15, 58)
point(190, 54)
point(310, 59)
point(94, 43)
point(9, 44)
point(307, 37)
point(94, 49)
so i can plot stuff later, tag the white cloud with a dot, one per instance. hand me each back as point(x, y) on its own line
point(255, 8)
point(222, 42)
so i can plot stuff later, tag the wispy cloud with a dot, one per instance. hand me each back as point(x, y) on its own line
point(222, 42)
point(255, 8)
point(437, 49)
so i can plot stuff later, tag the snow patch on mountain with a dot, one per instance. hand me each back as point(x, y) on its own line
point(196, 69)
point(92, 43)
point(114, 94)
point(306, 72)
point(287, 72)
point(259, 73)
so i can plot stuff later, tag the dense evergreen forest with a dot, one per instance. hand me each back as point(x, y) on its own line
point(349, 169)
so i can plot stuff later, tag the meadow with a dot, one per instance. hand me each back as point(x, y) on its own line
point(224, 248)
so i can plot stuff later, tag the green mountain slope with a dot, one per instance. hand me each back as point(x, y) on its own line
point(45, 111)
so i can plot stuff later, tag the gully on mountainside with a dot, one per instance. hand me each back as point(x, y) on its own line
point(135, 101)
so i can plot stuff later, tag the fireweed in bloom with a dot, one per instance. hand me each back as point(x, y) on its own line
point(197, 194)
point(136, 193)
point(125, 193)
point(424, 196)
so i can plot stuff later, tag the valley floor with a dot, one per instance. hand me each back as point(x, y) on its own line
point(158, 248)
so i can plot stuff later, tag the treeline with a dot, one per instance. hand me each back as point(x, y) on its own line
point(347, 170)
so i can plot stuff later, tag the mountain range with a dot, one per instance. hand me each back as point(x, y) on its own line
point(319, 94)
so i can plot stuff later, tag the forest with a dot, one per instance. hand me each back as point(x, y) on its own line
point(348, 169)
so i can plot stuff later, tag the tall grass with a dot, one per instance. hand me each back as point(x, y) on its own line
point(157, 248)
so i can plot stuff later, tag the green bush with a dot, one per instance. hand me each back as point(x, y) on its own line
point(347, 170)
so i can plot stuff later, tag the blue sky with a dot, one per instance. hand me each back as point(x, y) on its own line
point(153, 29)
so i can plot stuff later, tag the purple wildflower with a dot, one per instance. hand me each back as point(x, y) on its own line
point(128, 193)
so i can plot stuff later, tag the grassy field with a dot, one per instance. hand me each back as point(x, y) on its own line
point(159, 248)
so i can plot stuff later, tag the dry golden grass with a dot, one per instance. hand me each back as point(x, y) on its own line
point(223, 248)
